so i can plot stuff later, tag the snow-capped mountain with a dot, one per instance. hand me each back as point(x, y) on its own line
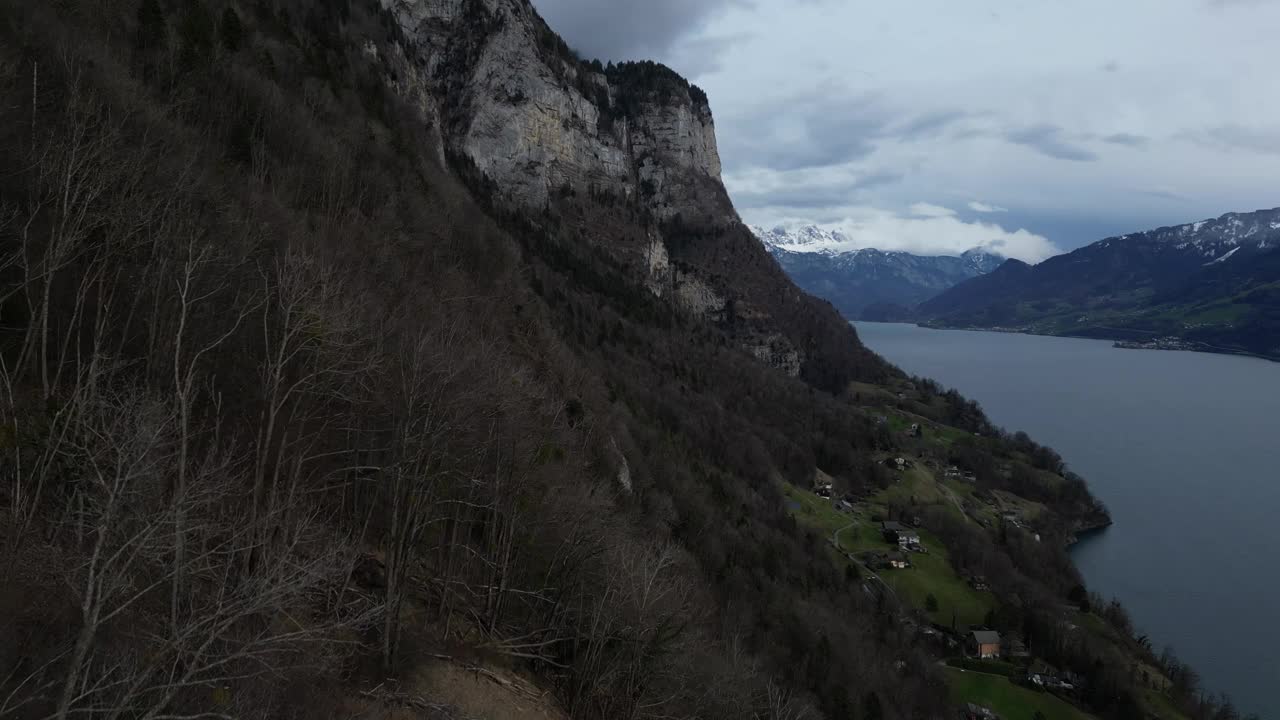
point(1208, 241)
point(1214, 281)
point(820, 261)
point(804, 239)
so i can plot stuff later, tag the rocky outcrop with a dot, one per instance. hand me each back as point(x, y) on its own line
point(697, 296)
point(549, 132)
point(777, 351)
point(537, 121)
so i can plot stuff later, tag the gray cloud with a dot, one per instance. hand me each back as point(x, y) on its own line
point(1128, 140)
point(1165, 194)
point(630, 30)
point(1240, 137)
point(1234, 3)
point(981, 207)
point(930, 230)
point(813, 195)
point(930, 124)
point(703, 55)
point(814, 131)
point(824, 129)
point(1049, 140)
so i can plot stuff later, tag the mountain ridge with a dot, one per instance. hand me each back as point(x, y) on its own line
point(867, 278)
point(1208, 283)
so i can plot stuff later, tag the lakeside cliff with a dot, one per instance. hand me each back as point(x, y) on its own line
point(382, 343)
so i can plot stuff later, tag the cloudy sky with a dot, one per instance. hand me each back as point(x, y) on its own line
point(1030, 126)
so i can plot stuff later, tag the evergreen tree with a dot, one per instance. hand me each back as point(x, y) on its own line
point(231, 30)
point(871, 707)
point(197, 33)
point(152, 31)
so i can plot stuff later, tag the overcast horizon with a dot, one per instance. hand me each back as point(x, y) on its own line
point(935, 127)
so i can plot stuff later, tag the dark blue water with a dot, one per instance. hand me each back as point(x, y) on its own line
point(1184, 448)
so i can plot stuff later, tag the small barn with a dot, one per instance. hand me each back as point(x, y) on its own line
point(984, 643)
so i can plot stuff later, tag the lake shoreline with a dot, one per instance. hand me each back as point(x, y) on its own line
point(1178, 445)
point(1119, 342)
point(1087, 531)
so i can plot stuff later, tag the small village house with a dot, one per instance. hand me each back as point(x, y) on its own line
point(984, 644)
point(896, 532)
point(823, 484)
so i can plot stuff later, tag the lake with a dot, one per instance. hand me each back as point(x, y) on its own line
point(1184, 448)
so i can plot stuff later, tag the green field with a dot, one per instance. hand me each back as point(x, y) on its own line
point(916, 483)
point(814, 511)
point(818, 513)
point(1217, 314)
point(931, 573)
point(1010, 701)
point(945, 435)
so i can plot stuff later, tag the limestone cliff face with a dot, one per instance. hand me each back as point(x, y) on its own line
point(537, 122)
point(508, 95)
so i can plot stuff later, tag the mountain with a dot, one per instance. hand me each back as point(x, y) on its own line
point(856, 280)
point(373, 359)
point(542, 129)
point(1210, 283)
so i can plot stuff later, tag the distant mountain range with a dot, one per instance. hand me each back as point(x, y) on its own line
point(1214, 284)
point(868, 284)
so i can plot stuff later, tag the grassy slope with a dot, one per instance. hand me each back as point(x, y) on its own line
point(933, 574)
point(1010, 701)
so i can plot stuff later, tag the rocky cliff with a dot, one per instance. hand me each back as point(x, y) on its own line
point(537, 120)
point(622, 157)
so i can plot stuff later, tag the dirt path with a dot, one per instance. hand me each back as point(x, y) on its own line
point(835, 536)
point(954, 498)
point(835, 541)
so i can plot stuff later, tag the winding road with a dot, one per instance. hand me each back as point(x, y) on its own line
point(835, 541)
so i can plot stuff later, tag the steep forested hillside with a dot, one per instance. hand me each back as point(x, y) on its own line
point(316, 383)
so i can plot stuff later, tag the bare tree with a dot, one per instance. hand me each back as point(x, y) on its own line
point(626, 632)
point(121, 447)
point(427, 404)
point(313, 355)
point(74, 170)
point(193, 292)
point(126, 445)
point(781, 704)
